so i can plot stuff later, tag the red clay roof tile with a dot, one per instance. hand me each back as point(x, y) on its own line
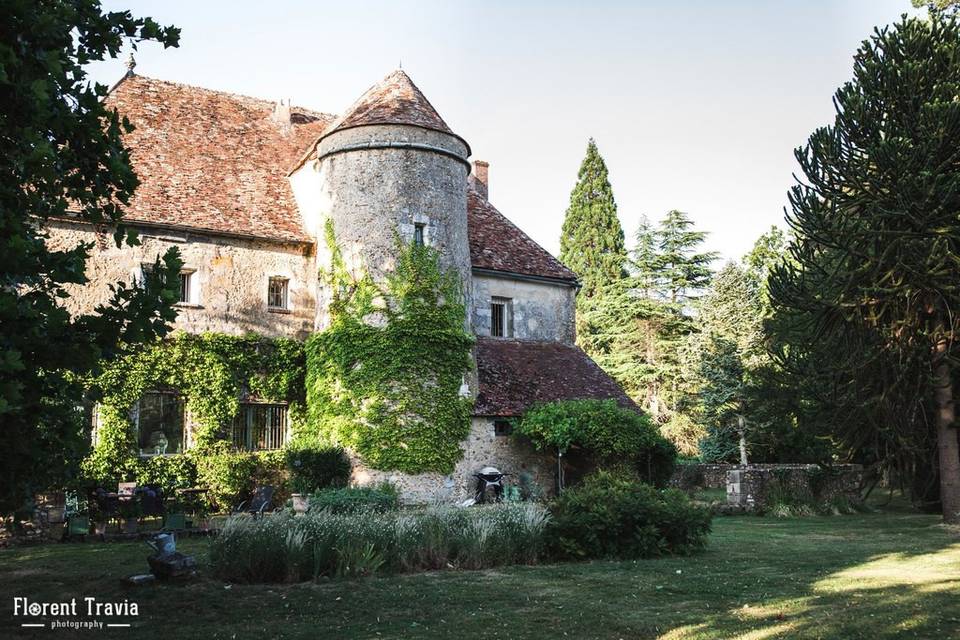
point(393, 100)
point(499, 245)
point(516, 374)
point(213, 160)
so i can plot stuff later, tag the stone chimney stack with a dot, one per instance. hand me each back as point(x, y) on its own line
point(479, 179)
point(281, 113)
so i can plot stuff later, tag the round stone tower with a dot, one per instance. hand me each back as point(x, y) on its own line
point(391, 166)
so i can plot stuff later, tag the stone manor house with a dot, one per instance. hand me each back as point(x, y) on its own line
point(244, 188)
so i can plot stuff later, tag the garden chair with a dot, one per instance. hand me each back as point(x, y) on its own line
point(259, 504)
point(151, 501)
point(78, 524)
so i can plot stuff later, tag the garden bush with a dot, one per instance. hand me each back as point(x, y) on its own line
point(382, 497)
point(614, 516)
point(233, 476)
point(287, 548)
point(612, 434)
point(315, 466)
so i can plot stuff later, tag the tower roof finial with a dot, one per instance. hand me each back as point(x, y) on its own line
point(131, 63)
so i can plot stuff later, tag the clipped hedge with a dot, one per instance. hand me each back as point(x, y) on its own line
point(614, 516)
point(316, 466)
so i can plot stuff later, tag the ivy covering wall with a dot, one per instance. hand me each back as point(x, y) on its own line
point(384, 378)
point(212, 372)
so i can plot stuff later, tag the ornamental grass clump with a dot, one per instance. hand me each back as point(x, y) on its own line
point(287, 548)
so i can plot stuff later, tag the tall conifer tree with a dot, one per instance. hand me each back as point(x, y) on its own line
point(591, 242)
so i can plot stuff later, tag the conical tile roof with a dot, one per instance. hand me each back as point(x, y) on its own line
point(393, 100)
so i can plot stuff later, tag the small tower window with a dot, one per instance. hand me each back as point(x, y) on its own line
point(277, 293)
point(418, 234)
point(501, 317)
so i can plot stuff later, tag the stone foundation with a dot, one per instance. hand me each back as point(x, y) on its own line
point(482, 448)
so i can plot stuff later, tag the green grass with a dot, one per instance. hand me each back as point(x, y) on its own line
point(878, 575)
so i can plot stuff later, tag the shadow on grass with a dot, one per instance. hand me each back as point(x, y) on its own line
point(870, 576)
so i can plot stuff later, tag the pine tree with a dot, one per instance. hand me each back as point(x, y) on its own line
point(730, 346)
point(645, 259)
point(684, 271)
point(591, 241)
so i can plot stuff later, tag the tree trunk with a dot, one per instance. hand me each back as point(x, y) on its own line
point(947, 443)
point(743, 440)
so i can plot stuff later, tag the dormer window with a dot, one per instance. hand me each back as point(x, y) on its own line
point(419, 230)
point(501, 317)
point(277, 294)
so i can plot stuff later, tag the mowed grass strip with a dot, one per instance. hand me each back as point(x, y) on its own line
point(889, 574)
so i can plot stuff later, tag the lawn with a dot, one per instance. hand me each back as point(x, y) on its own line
point(880, 575)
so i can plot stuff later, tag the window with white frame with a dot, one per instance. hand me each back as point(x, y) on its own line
point(501, 317)
point(188, 287)
point(278, 293)
point(160, 423)
point(259, 427)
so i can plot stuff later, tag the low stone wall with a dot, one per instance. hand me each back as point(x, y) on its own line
point(701, 476)
point(756, 487)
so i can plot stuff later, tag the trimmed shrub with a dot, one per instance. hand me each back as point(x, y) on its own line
point(288, 548)
point(614, 516)
point(383, 497)
point(612, 434)
point(233, 476)
point(314, 467)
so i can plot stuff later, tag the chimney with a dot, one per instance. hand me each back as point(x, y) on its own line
point(478, 178)
point(281, 113)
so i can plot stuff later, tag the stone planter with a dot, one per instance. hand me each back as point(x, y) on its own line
point(301, 502)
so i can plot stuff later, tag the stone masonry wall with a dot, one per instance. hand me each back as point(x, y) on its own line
point(375, 196)
point(482, 448)
point(230, 276)
point(541, 311)
point(755, 488)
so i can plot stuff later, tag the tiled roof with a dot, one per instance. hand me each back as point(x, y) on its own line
point(213, 160)
point(515, 374)
point(393, 100)
point(497, 244)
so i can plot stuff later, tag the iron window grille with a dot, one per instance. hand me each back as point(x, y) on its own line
point(259, 427)
point(277, 293)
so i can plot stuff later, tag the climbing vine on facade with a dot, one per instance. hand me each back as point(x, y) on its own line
point(212, 372)
point(384, 378)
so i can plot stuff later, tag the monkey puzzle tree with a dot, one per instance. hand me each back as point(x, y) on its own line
point(61, 155)
point(877, 228)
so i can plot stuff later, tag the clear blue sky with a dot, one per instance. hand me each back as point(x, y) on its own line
point(695, 105)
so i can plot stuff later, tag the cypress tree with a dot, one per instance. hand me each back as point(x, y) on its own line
point(591, 242)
